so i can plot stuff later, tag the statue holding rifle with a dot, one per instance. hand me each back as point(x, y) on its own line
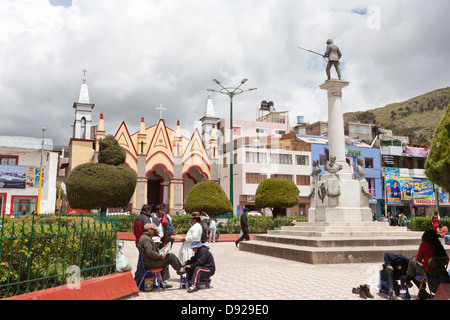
point(333, 54)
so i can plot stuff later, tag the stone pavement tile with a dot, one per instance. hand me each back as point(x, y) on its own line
point(243, 275)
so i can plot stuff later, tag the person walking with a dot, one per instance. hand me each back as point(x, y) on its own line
point(244, 227)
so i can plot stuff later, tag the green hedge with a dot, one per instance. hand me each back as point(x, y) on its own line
point(424, 223)
point(257, 224)
point(39, 252)
point(181, 223)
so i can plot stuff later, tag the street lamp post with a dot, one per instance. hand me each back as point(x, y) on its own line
point(231, 92)
point(38, 208)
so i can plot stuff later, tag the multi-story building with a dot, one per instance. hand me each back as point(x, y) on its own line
point(354, 149)
point(20, 160)
point(261, 157)
point(260, 153)
point(404, 168)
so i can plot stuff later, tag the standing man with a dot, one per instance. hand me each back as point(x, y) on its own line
point(164, 224)
point(333, 54)
point(141, 220)
point(244, 227)
point(204, 218)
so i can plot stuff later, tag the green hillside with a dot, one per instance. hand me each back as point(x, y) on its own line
point(416, 118)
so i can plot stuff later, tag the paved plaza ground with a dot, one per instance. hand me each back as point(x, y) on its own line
point(243, 275)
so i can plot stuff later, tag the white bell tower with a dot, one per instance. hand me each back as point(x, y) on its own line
point(208, 121)
point(83, 113)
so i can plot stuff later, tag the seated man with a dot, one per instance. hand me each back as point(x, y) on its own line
point(153, 259)
point(394, 268)
point(443, 230)
point(201, 265)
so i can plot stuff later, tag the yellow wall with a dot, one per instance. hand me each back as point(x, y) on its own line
point(81, 151)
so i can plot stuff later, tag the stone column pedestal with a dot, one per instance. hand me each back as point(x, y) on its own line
point(338, 196)
point(336, 135)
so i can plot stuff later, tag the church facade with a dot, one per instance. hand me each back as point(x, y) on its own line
point(167, 164)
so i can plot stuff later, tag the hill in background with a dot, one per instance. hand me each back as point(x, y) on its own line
point(416, 118)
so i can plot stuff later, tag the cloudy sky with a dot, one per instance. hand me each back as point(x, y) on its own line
point(140, 54)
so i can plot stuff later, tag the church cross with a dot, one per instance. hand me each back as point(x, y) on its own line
point(160, 110)
point(84, 72)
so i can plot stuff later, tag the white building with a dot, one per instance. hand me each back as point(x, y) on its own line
point(262, 157)
point(258, 154)
point(20, 159)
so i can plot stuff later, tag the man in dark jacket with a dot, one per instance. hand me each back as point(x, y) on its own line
point(200, 266)
point(142, 219)
point(244, 227)
point(394, 268)
point(153, 258)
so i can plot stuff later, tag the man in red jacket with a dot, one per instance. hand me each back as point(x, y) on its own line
point(141, 220)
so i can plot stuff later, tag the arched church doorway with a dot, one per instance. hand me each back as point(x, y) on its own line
point(191, 178)
point(158, 186)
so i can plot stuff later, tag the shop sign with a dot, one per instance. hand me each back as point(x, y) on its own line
point(418, 152)
point(353, 153)
point(424, 202)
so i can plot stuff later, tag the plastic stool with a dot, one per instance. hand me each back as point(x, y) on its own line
point(154, 273)
point(203, 282)
point(384, 289)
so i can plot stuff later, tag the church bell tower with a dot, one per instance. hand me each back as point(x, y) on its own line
point(83, 113)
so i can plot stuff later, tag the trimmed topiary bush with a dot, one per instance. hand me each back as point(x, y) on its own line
point(276, 193)
point(110, 151)
point(208, 196)
point(98, 185)
point(107, 184)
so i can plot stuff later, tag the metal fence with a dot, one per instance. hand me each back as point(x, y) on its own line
point(40, 252)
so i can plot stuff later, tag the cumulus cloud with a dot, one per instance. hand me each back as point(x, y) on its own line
point(140, 54)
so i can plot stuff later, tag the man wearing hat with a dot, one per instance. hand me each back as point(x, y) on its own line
point(194, 233)
point(200, 266)
point(153, 258)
